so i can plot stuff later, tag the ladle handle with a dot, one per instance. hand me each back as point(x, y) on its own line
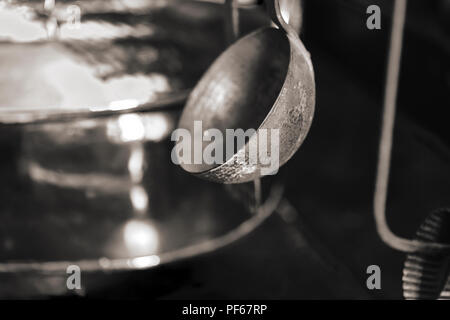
point(274, 12)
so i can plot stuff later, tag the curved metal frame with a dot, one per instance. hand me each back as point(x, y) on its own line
point(385, 147)
point(263, 211)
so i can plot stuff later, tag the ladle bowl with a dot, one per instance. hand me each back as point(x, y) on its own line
point(263, 81)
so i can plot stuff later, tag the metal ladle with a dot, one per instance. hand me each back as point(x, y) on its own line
point(263, 81)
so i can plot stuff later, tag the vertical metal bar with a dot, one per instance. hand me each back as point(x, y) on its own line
point(384, 156)
point(231, 21)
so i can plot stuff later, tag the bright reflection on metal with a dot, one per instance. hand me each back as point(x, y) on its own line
point(131, 127)
point(139, 198)
point(156, 127)
point(153, 126)
point(122, 104)
point(136, 162)
point(49, 64)
point(19, 23)
point(16, 25)
point(285, 10)
point(95, 30)
point(49, 5)
point(144, 262)
point(140, 237)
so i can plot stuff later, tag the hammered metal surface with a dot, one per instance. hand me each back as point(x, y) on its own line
point(291, 111)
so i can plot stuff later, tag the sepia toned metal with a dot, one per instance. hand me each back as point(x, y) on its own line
point(263, 81)
point(121, 58)
point(110, 51)
point(262, 211)
point(102, 176)
point(231, 21)
point(386, 140)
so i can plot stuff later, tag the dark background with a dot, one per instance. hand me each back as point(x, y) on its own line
point(321, 240)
